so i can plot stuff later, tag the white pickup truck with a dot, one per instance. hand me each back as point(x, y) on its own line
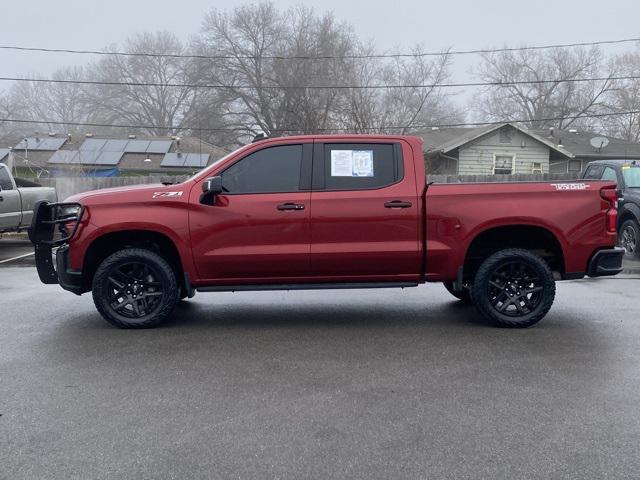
point(16, 203)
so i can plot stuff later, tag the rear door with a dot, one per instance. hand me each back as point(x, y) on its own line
point(10, 203)
point(365, 213)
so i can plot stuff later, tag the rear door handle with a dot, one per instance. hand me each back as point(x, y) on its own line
point(291, 206)
point(397, 204)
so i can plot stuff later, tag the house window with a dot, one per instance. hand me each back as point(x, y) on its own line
point(503, 165)
point(536, 167)
point(505, 135)
point(575, 166)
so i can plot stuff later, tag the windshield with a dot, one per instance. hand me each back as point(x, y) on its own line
point(631, 176)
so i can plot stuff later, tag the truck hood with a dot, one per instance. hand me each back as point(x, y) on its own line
point(133, 193)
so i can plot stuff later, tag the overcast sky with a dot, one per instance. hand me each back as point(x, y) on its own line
point(93, 24)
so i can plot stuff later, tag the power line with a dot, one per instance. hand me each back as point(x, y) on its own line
point(317, 87)
point(281, 130)
point(317, 57)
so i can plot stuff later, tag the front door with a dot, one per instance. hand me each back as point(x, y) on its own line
point(258, 229)
point(365, 209)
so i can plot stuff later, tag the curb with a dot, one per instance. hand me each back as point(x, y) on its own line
point(14, 236)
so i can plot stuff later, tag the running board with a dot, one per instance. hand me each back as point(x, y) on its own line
point(305, 286)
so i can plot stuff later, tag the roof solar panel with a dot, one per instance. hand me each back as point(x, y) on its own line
point(3, 153)
point(115, 146)
point(88, 157)
point(30, 143)
point(64, 156)
point(109, 158)
point(51, 143)
point(198, 160)
point(137, 146)
point(159, 146)
point(92, 144)
point(174, 159)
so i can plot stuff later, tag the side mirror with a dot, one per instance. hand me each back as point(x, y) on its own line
point(210, 188)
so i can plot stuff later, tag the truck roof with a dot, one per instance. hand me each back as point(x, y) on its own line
point(616, 161)
point(345, 136)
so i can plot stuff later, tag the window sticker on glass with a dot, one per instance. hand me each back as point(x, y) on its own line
point(363, 163)
point(352, 163)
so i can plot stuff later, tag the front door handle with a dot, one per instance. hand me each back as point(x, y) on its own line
point(291, 206)
point(397, 204)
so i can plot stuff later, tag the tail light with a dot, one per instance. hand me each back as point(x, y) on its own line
point(610, 195)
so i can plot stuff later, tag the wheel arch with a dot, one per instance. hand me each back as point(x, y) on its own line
point(535, 238)
point(628, 212)
point(105, 245)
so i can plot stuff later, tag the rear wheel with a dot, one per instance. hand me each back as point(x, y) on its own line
point(629, 238)
point(135, 288)
point(463, 295)
point(514, 288)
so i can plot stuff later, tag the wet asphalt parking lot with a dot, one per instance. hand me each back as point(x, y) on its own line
point(321, 384)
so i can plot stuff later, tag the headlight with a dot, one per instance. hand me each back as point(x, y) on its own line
point(67, 216)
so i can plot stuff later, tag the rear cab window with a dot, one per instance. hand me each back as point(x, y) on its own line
point(609, 174)
point(356, 166)
point(594, 172)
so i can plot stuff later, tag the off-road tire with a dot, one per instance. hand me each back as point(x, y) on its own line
point(630, 227)
point(463, 295)
point(496, 285)
point(164, 299)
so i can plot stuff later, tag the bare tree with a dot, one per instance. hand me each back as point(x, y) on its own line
point(50, 103)
point(625, 97)
point(416, 103)
point(8, 110)
point(154, 105)
point(535, 102)
point(266, 90)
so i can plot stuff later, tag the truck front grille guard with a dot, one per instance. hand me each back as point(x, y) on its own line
point(47, 216)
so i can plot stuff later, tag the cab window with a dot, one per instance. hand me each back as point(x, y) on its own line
point(360, 166)
point(5, 179)
point(609, 174)
point(271, 170)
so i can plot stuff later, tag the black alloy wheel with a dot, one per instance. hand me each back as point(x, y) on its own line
point(135, 288)
point(514, 288)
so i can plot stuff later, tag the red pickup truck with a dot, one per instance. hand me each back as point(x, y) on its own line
point(311, 212)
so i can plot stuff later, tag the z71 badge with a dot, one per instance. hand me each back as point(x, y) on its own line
point(166, 194)
point(570, 186)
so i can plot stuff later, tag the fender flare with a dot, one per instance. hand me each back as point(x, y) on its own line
point(631, 208)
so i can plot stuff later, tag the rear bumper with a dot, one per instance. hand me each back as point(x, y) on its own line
point(606, 262)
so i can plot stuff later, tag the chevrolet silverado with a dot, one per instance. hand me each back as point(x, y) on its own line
point(333, 211)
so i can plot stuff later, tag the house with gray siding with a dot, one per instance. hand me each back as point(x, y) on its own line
point(511, 149)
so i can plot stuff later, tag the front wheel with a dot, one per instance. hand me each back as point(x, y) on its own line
point(629, 238)
point(514, 288)
point(135, 288)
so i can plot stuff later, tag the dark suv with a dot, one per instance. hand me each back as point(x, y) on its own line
point(627, 174)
